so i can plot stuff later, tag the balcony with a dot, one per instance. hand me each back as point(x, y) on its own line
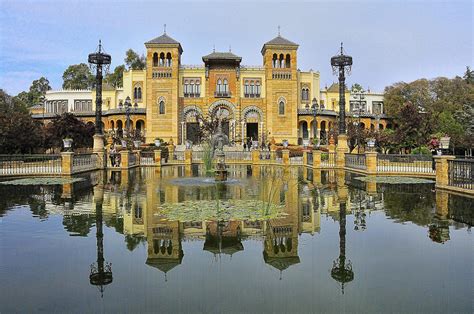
point(192, 95)
point(222, 94)
point(252, 95)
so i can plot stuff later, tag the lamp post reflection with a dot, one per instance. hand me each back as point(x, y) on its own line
point(341, 270)
point(101, 271)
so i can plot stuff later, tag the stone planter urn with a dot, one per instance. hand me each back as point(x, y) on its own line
point(137, 144)
point(67, 144)
point(157, 142)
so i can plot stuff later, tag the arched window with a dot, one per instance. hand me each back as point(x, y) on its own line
point(246, 88)
point(288, 61)
point(257, 86)
point(139, 93)
point(155, 59)
point(275, 60)
point(168, 59)
point(198, 89)
point(162, 59)
point(135, 93)
point(162, 107)
point(281, 107)
point(219, 85)
point(186, 88)
point(192, 87)
point(282, 61)
point(305, 94)
point(252, 88)
point(225, 86)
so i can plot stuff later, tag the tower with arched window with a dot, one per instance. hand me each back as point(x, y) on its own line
point(162, 86)
point(281, 77)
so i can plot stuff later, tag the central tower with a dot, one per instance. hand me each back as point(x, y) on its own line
point(163, 60)
point(280, 64)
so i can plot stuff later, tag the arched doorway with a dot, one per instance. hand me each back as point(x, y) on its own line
point(119, 128)
point(140, 126)
point(252, 127)
point(112, 125)
point(191, 127)
point(323, 133)
point(224, 109)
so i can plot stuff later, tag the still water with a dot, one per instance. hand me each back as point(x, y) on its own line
point(269, 241)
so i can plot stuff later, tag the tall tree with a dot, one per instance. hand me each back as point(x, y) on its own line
point(38, 89)
point(115, 79)
point(356, 87)
point(134, 61)
point(78, 76)
point(469, 75)
point(19, 133)
point(67, 125)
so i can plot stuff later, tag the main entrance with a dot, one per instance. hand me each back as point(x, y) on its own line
point(252, 130)
point(192, 132)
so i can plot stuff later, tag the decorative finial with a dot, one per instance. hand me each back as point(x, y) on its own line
point(278, 30)
point(341, 48)
point(100, 45)
point(164, 28)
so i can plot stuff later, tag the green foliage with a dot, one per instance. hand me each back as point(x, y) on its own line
point(469, 75)
point(440, 105)
point(78, 76)
point(423, 150)
point(19, 133)
point(67, 125)
point(38, 89)
point(356, 87)
point(134, 61)
point(207, 157)
point(115, 78)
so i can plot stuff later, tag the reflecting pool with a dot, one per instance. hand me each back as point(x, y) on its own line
point(271, 240)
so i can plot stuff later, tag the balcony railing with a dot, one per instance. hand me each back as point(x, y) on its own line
point(356, 161)
point(222, 94)
point(192, 95)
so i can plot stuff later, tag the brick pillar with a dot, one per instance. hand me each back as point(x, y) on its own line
point(286, 157)
point(371, 162)
point(188, 156)
point(255, 156)
point(171, 152)
point(66, 163)
point(305, 158)
point(442, 175)
point(272, 153)
point(158, 157)
point(316, 159)
point(137, 156)
point(442, 201)
point(124, 159)
point(341, 150)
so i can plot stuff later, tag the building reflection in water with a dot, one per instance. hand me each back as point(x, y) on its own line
point(129, 202)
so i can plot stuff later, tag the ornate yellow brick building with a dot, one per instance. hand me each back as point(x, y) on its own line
point(272, 100)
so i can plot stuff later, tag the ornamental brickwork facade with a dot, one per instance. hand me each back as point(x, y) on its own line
point(270, 101)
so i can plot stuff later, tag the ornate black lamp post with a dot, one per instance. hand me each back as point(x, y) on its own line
point(97, 60)
point(342, 271)
point(315, 108)
point(342, 63)
point(101, 271)
point(128, 111)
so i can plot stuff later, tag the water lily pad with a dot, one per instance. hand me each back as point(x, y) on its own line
point(220, 210)
point(41, 181)
point(394, 180)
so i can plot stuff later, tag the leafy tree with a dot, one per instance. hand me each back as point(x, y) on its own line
point(19, 133)
point(411, 131)
point(386, 140)
point(38, 89)
point(469, 75)
point(67, 125)
point(356, 87)
point(115, 79)
point(134, 61)
point(78, 76)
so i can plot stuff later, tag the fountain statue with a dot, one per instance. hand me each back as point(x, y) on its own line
point(218, 141)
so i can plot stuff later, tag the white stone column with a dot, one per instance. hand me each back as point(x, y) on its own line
point(243, 132)
point(182, 132)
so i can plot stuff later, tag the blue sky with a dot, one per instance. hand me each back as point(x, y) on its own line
point(390, 41)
